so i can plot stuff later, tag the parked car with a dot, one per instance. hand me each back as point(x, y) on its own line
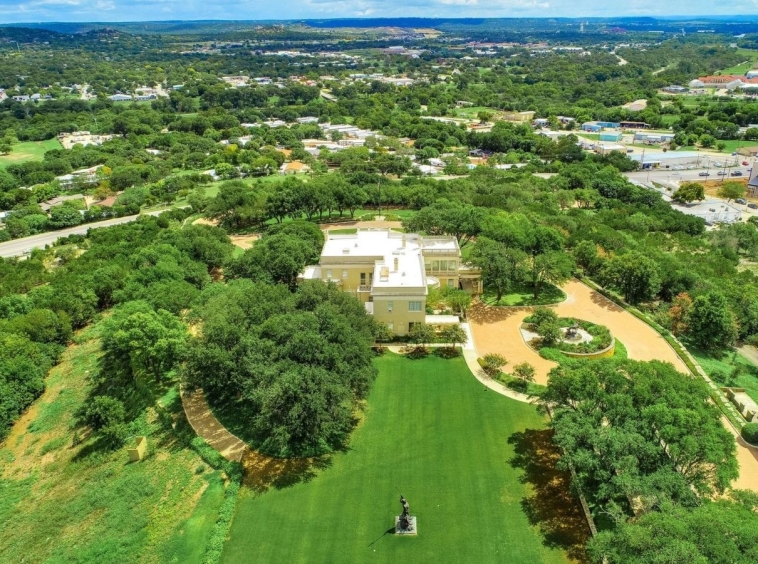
point(744, 163)
point(717, 164)
point(722, 173)
point(742, 201)
point(753, 206)
point(703, 174)
point(736, 173)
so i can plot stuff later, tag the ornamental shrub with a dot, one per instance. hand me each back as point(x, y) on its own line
point(750, 433)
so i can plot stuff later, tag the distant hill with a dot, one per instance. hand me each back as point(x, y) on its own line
point(475, 27)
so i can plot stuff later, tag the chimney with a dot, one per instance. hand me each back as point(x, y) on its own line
point(396, 261)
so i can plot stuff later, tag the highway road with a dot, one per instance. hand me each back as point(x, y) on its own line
point(18, 247)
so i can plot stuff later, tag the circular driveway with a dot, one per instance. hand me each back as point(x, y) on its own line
point(496, 330)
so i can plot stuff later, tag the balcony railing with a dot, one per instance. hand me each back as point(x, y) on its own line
point(442, 271)
point(364, 288)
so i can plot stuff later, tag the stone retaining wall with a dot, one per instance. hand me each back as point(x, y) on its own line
point(608, 351)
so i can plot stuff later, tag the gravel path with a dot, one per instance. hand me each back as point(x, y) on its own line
point(209, 428)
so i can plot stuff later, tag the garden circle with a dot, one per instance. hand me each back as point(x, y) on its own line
point(572, 337)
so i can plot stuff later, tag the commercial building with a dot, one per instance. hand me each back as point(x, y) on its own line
point(391, 272)
point(596, 126)
point(520, 117)
point(608, 148)
point(612, 136)
point(641, 137)
point(659, 159)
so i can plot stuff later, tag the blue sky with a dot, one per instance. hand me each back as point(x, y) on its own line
point(152, 10)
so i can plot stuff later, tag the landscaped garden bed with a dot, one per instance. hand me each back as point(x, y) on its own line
point(567, 334)
point(524, 296)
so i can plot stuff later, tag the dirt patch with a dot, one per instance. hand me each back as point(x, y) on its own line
point(713, 186)
point(205, 221)
point(352, 224)
point(245, 241)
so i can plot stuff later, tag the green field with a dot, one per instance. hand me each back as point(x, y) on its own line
point(29, 151)
point(751, 56)
point(524, 296)
point(477, 469)
point(61, 502)
point(471, 112)
point(733, 144)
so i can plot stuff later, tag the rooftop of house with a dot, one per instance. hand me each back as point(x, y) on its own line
point(398, 257)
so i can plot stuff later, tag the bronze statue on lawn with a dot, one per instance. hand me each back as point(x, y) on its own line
point(405, 517)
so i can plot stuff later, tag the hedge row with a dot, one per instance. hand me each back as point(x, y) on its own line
point(226, 512)
point(223, 522)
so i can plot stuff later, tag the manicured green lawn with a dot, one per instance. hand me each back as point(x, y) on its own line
point(524, 296)
point(29, 151)
point(474, 465)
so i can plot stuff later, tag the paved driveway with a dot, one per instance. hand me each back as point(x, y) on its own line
point(496, 330)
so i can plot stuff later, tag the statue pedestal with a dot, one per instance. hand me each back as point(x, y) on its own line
point(411, 530)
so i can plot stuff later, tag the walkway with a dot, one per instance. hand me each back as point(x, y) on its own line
point(209, 428)
point(496, 330)
point(747, 458)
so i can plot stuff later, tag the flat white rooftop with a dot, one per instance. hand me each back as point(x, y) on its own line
point(651, 156)
point(397, 257)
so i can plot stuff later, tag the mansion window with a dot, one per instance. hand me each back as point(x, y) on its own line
point(441, 265)
point(414, 306)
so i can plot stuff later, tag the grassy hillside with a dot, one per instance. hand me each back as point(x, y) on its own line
point(65, 503)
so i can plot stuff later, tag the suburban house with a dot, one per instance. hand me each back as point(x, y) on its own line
point(79, 177)
point(391, 273)
point(748, 151)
